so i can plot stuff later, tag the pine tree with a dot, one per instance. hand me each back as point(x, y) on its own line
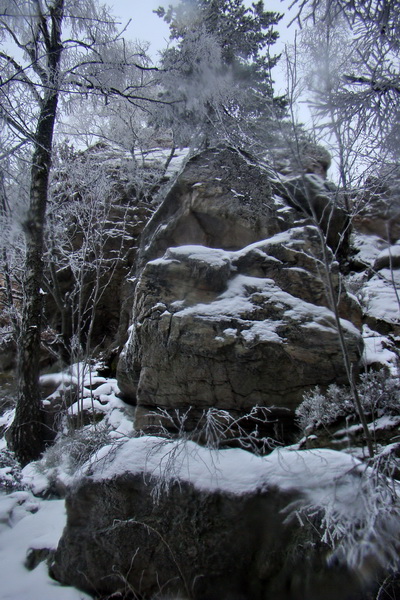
point(217, 71)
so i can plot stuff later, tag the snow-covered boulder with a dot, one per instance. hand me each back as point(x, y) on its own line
point(235, 329)
point(154, 516)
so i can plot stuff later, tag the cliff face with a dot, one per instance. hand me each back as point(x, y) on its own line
point(232, 308)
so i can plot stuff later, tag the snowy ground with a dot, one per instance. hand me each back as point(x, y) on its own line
point(27, 522)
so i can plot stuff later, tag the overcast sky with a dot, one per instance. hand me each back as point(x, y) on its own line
point(145, 25)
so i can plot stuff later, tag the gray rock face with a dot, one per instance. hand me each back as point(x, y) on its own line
point(377, 205)
point(195, 536)
point(231, 321)
point(314, 196)
point(222, 200)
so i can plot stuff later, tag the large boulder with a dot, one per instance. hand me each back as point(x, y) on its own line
point(237, 329)
point(241, 317)
point(153, 518)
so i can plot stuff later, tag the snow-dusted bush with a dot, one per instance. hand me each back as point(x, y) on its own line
point(216, 428)
point(10, 472)
point(76, 447)
point(320, 409)
point(379, 394)
point(55, 470)
point(368, 532)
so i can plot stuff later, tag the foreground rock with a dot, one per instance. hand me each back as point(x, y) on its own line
point(155, 517)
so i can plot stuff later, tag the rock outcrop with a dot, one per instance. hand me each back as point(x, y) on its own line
point(162, 519)
point(377, 206)
point(375, 281)
point(241, 317)
point(313, 196)
point(224, 199)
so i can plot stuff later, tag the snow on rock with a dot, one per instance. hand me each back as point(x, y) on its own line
point(212, 256)
point(93, 395)
point(179, 516)
point(377, 287)
point(316, 473)
point(388, 254)
point(368, 247)
point(200, 312)
point(380, 296)
point(238, 301)
point(377, 350)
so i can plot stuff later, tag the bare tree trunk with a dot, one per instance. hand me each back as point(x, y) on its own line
point(27, 435)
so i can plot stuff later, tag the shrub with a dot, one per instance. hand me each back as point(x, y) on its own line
point(379, 394)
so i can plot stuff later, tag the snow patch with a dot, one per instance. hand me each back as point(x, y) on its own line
point(263, 331)
point(212, 256)
point(380, 296)
point(368, 246)
point(32, 523)
point(376, 350)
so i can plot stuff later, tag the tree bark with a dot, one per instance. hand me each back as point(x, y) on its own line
point(27, 436)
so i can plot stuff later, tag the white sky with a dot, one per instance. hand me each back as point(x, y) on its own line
point(146, 26)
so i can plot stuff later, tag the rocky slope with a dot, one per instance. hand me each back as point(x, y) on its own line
point(231, 324)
